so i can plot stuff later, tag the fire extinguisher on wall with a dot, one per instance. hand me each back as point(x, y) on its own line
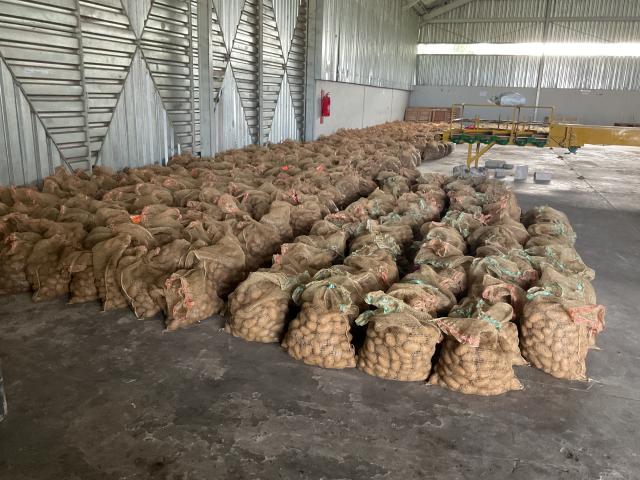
point(325, 105)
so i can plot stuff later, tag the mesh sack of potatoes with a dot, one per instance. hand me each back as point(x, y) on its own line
point(465, 223)
point(80, 215)
point(424, 290)
point(560, 322)
point(80, 265)
point(438, 252)
point(140, 236)
point(301, 257)
point(15, 251)
point(561, 232)
point(45, 270)
point(279, 218)
point(377, 260)
point(494, 290)
point(419, 208)
point(110, 215)
point(500, 315)
point(223, 261)
point(258, 306)
point(400, 340)
point(335, 242)
point(444, 233)
point(106, 256)
point(154, 216)
point(504, 268)
point(544, 214)
point(372, 232)
point(563, 258)
point(303, 216)
point(320, 334)
point(377, 204)
point(432, 193)
point(432, 178)
point(189, 298)
point(477, 356)
point(394, 184)
point(501, 205)
point(258, 241)
point(255, 202)
point(453, 272)
point(143, 277)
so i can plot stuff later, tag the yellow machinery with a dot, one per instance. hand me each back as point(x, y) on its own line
point(484, 134)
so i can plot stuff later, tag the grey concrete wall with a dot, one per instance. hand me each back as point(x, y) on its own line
point(358, 106)
point(594, 107)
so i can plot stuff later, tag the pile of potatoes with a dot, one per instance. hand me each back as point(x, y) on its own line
point(400, 340)
point(82, 287)
point(258, 306)
point(235, 210)
point(320, 337)
point(189, 298)
point(45, 272)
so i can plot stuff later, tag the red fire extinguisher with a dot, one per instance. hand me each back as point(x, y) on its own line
point(325, 105)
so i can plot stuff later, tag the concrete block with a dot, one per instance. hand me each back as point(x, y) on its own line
point(494, 163)
point(500, 173)
point(460, 170)
point(543, 176)
point(521, 173)
point(476, 172)
point(508, 166)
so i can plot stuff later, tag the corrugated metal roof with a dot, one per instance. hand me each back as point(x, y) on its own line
point(490, 21)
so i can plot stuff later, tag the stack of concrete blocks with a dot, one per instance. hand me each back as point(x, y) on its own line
point(498, 168)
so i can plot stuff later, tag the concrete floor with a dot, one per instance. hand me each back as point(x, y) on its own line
point(105, 396)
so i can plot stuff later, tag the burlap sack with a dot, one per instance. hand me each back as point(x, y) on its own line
point(258, 306)
point(224, 263)
point(45, 270)
point(106, 256)
point(556, 334)
point(503, 268)
point(396, 236)
point(320, 334)
point(279, 218)
point(476, 357)
point(16, 249)
point(562, 258)
point(189, 298)
point(82, 288)
point(423, 290)
point(465, 223)
point(400, 340)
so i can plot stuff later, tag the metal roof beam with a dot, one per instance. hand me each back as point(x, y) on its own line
point(529, 20)
point(436, 12)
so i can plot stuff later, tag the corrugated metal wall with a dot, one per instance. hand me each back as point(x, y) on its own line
point(27, 153)
point(369, 42)
point(117, 81)
point(507, 21)
point(477, 70)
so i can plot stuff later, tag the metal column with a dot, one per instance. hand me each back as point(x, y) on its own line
point(545, 35)
point(260, 73)
point(207, 106)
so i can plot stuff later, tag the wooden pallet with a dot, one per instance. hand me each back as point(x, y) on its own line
point(428, 114)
